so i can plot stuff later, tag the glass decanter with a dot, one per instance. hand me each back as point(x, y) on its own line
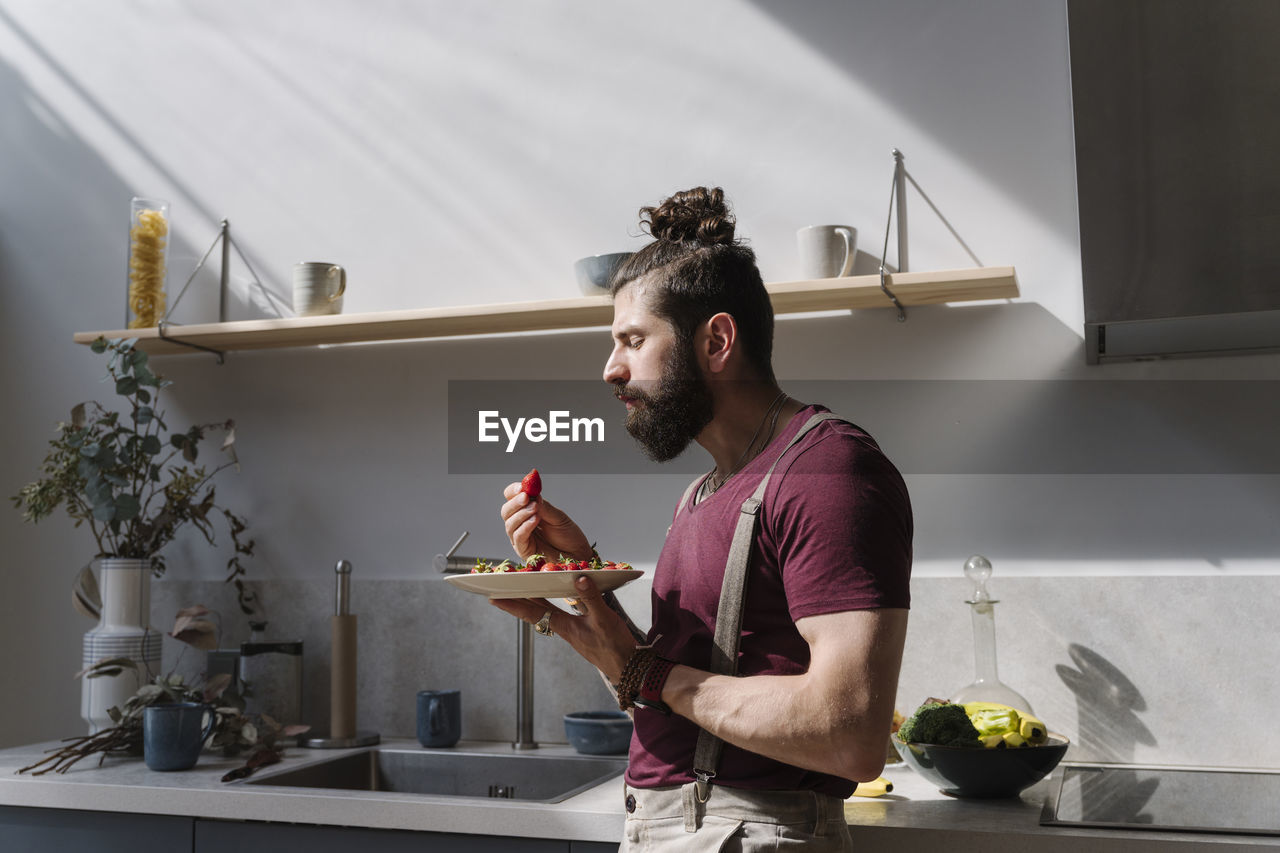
point(987, 686)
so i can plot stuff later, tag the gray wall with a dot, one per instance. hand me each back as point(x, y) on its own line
point(468, 154)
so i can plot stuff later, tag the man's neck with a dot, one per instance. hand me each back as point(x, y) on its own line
point(744, 423)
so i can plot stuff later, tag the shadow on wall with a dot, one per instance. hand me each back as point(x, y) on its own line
point(71, 180)
point(1107, 706)
point(63, 249)
point(921, 56)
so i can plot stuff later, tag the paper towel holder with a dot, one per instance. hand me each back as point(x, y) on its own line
point(341, 613)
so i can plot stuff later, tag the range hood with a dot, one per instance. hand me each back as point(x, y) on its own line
point(1177, 137)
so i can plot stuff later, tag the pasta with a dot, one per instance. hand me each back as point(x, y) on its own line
point(147, 240)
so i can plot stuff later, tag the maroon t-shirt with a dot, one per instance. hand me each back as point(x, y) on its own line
point(834, 535)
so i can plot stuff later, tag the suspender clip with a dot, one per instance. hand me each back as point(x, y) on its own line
point(703, 785)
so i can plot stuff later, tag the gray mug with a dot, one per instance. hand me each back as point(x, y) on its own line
point(827, 251)
point(173, 735)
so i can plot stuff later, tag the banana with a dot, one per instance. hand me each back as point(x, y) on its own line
point(876, 788)
point(1013, 740)
point(993, 741)
point(1033, 730)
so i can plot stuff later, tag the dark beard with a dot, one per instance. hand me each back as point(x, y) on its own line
point(670, 417)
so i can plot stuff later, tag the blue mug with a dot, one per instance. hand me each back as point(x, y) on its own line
point(173, 735)
point(439, 717)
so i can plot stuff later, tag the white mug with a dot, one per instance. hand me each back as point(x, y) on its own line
point(317, 288)
point(826, 251)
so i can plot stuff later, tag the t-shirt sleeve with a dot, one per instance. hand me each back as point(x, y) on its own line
point(842, 526)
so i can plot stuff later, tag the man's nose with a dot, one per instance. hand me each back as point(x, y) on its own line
point(615, 372)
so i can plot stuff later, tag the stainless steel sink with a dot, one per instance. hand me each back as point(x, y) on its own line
point(545, 779)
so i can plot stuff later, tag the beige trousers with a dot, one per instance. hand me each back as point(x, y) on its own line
point(671, 820)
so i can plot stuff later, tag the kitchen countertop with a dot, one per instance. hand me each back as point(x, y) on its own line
point(914, 816)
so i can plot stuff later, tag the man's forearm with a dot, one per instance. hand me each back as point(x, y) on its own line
point(833, 718)
point(788, 718)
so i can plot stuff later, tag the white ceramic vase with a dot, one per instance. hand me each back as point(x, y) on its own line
point(123, 631)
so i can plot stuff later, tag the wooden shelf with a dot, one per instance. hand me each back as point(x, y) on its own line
point(911, 288)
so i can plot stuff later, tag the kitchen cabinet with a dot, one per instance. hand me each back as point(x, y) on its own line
point(911, 288)
point(36, 830)
point(219, 836)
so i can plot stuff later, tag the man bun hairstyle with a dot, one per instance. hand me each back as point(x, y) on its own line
point(696, 269)
point(698, 215)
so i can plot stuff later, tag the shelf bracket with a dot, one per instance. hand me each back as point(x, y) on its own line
point(898, 202)
point(224, 276)
point(222, 356)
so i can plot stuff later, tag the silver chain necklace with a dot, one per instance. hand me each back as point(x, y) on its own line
point(775, 409)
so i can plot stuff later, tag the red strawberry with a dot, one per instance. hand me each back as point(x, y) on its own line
point(531, 485)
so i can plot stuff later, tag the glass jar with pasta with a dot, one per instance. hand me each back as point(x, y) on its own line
point(148, 253)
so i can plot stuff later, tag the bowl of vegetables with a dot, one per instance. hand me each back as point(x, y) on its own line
point(978, 749)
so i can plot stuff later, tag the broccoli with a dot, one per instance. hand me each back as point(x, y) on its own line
point(940, 722)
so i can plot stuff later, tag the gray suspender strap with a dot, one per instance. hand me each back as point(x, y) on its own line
point(688, 493)
point(724, 654)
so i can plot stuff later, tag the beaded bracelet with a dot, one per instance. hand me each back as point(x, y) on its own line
point(642, 679)
point(633, 673)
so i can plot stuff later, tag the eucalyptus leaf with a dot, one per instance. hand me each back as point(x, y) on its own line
point(98, 490)
point(145, 414)
point(104, 511)
point(90, 450)
point(77, 415)
point(126, 385)
point(127, 506)
point(144, 395)
point(99, 346)
point(151, 444)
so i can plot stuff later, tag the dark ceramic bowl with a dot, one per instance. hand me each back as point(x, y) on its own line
point(599, 732)
point(963, 772)
point(596, 272)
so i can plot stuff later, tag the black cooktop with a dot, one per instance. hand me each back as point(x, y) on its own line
point(1134, 796)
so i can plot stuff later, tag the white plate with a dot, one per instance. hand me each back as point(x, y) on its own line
point(539, 584)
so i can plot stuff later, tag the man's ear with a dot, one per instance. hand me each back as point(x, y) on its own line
point(720, 341)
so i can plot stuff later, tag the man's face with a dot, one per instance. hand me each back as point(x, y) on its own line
point(655, 374)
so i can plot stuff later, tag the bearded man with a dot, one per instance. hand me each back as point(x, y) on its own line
point(764, 690)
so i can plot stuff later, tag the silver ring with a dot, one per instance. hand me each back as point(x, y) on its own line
point(543, 625)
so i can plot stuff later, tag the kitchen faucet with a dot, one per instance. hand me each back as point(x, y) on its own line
point(452, 564)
